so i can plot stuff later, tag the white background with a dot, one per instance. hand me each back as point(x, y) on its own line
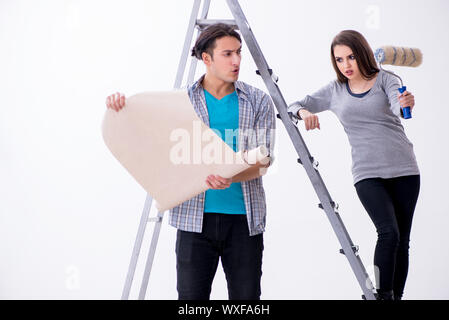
point(69, 212)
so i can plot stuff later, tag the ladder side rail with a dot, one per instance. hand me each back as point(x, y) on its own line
point(137, 247)
point(194, 61)
point(302, 150)
point(187, 43)
point(150, 257)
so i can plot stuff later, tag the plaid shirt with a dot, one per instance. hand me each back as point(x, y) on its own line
point(256, 128)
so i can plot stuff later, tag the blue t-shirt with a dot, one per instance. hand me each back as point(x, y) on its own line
point(224, 115)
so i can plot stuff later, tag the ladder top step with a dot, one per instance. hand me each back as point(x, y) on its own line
point(203, 23)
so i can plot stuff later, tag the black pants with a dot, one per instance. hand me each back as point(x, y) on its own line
point(197, 256)
point(391, 203)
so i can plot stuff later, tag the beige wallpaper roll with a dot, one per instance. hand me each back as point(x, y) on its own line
point(168, 150)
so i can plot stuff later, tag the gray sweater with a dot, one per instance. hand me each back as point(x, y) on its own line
point(380, 148)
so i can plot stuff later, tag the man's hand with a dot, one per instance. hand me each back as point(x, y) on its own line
point(310, 120)
point(116, 101)
point(218, 183)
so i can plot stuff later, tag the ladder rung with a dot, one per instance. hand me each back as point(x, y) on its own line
point(274, 77)
point(203, 23)
point(333, 204)
point(311, 159)
point(315, 163)
point(354, 248)
point(290, 114)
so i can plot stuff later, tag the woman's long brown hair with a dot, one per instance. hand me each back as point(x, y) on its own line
point(362, 51)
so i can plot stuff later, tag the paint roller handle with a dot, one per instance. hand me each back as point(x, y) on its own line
point(407, 113)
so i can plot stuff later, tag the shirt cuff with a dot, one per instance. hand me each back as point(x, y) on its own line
point(294, 108)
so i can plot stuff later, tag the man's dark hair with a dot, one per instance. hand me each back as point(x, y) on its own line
point(206, 42)
point(362, 51)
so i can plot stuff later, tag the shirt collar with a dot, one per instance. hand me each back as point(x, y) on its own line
point(240, 87)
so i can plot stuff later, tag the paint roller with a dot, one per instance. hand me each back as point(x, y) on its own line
point(398, 56)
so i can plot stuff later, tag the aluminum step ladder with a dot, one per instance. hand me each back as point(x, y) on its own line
point(289, 121)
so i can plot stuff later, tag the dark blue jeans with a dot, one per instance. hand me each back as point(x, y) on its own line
point(227, 237)
point(390, 204)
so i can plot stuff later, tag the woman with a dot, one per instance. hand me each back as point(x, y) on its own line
point(386, 176)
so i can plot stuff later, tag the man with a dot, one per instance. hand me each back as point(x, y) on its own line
point(228, 220)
